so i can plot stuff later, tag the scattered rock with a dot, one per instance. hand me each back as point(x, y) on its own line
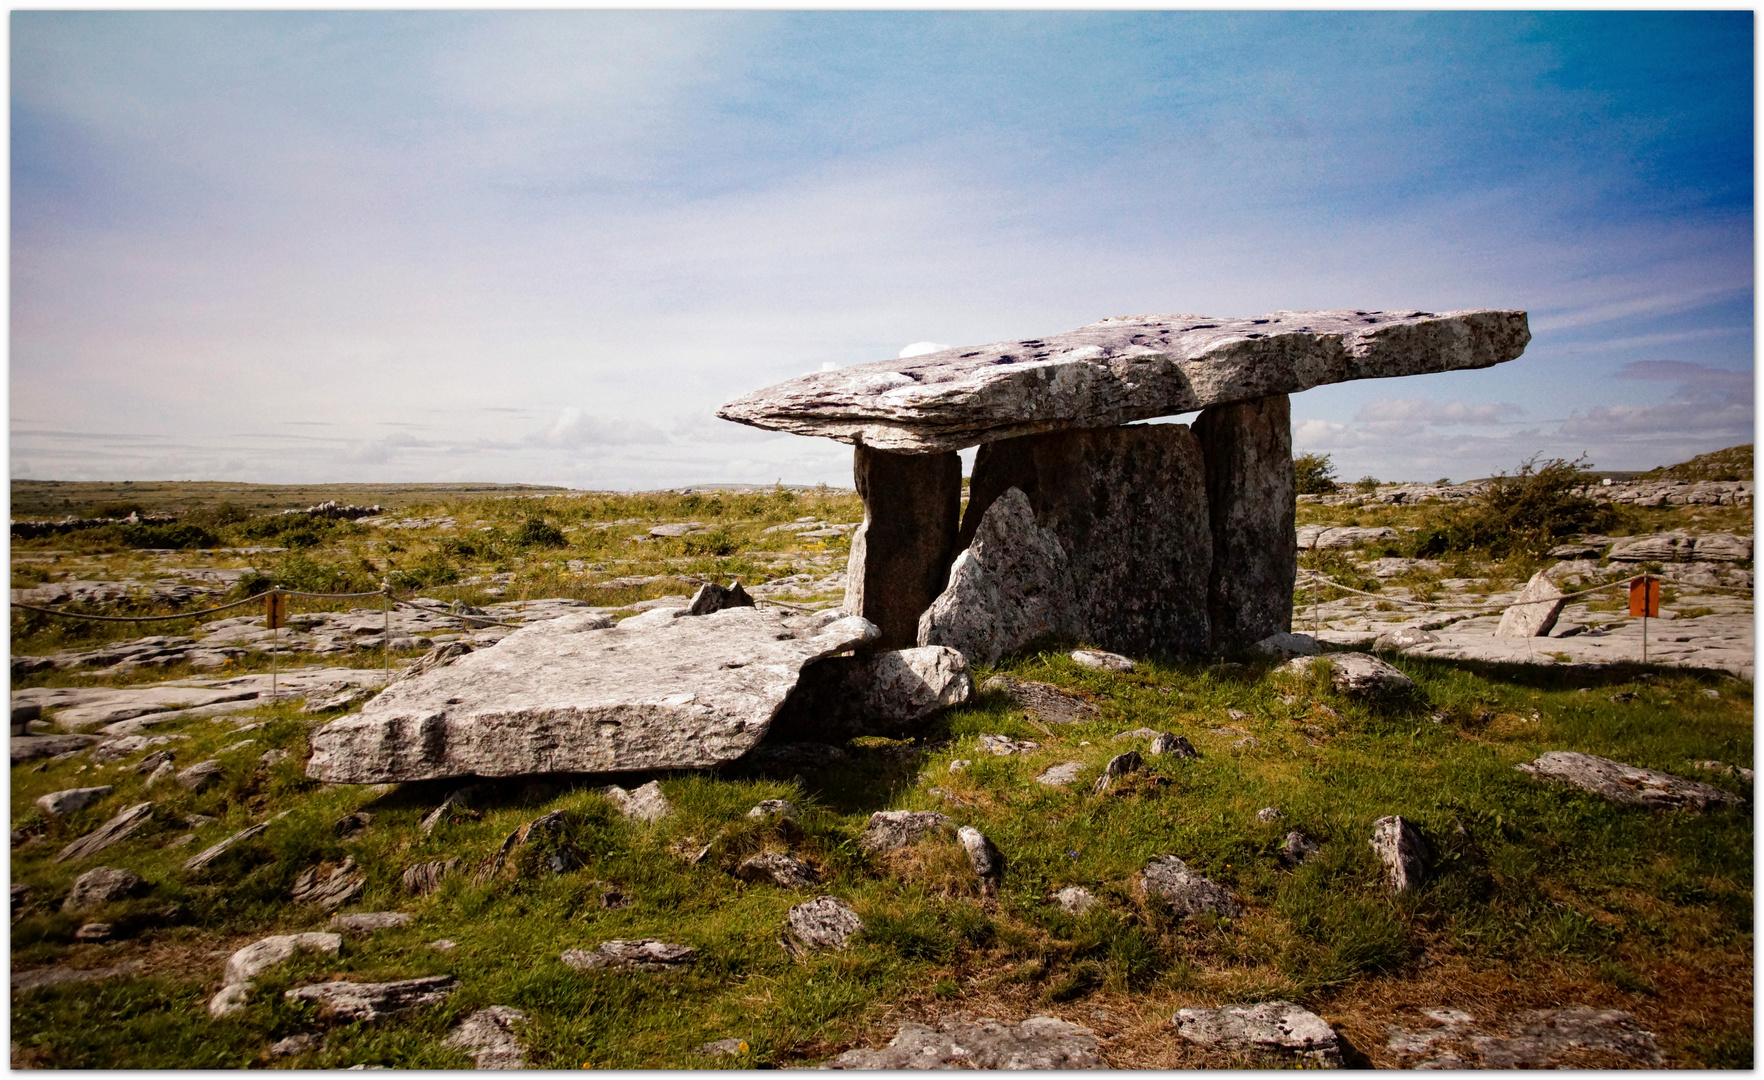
point(443, 945)
point(722, 1048)
point(985, 859)
point(1075, 899)
point(1104, 661)
point(151, 763)
point(1357, 674)
point(209, 855)
point(562, 696)
point(1273, 1027)
point(891, 829)
point(1186, 892)
point(1534, 612)
point(1136, 733)
point(712, 597)
point(1269, 814)
point(1040, 1042)
point(1167, 744)
point(31, 747)
point(350, 826)
point(259, 956)
point(1044, 701)
point(24, 982)
point(825, 922)
point(1297, 849)
point(1120, 765)
point(95, 932)
point(370, 1001)
point(438, 657)
point(1723, 767)
point(102, 885)
point(487, 1037)
point(1627, 783)
point(343, 884)
point(781, 808)
point(1545, 1033)
point(367, 922)
point(884, 692)
point(63, 803)
point(546, 832)
point(646, 803)
point(1004, 745)
point(165, 773)
point(777, 869)
point(1402, 849)
point(201, 776)
point(270, 757)
point(457, 802)
point(1286, 646)
point(1062, 774)
point(644, 954)
point(295, 1045)
point(125, 824)
point(351, 696)
point(424, 878)
point(1403, 637)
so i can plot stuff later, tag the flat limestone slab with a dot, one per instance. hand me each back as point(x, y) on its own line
point(1120, 370)
point(654, 692)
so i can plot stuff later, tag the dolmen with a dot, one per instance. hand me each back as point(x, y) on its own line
point(1144, 539)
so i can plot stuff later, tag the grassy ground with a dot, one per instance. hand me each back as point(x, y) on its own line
point(1538, 896)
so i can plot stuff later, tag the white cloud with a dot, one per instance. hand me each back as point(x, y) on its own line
point(1426, 411)
point(574, 429)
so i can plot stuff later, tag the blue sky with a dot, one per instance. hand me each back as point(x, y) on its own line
point(544, 246)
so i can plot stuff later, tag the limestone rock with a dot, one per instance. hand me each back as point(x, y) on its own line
point(1682, 547)
point(1005, 746)
point(1251, 488)
point(712, 597)
point(1168, 744)
point(1273, 1027)
point(1040, 1042)
point(351, 696)
point(208, 855)
point(101, 885)
point(825, 922)
point(1534, 612)
point(1005, 589)
point(201, 776)
point(1043, 701)
point(125, 824)
point(645, 803)
point(983, 856)
point(24, 982)
point(1120, 765)
point(778, 869)
point(1545, 1033)
point(295, 1045)
point(1297, 849)
point(1405, 637)
point(547, 833)
point(1075, 899)
point(1103, 661)
point(343, 884)
point(1268, 815)
point(1337, 537)
point(368, 922)
point(424, 878)
point(1127, 507)
point(892, 829)
point(268, 952)
point(487, 1036)
point(722, 1048)
point(1284, 646)
point(901, 552)
point(1402, 849)
point(1187, 892)
point(643, 954)
point(766, 808)
point(1627, 783)
point(887, 692)
point(560, 697)
point(1357, 674)
point(1120, 370)
point(31, 747)
point(164, 773)
point(1062, 774)
point(370, 1001)
point(63, 803)
point(229, 999)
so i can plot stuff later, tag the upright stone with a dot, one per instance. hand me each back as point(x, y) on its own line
point(1251, 500)
point(900, 555)
point(1129, 507)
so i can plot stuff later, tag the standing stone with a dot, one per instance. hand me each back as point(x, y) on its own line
point(1402, 849)
point(900, 555)
point(1251, 500)
point(1008, 588)
point(1534, 613)
point(1127, 509)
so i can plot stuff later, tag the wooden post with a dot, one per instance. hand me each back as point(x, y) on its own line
point(275, 614)
point(1644, 600)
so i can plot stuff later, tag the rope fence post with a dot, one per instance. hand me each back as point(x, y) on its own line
point(386, 626)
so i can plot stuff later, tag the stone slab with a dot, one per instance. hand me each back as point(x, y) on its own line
point(1251, 503)
point(1040, 1042)
point(1272, 1027)
point(887, 692)
point(670, 693)
point(900, 555)
point(1627, 783)
point(1120, 370)
point(1535, 613)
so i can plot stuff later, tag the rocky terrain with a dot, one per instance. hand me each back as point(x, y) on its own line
point(1423, 852)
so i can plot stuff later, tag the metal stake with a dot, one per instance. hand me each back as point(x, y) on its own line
point(386, 630)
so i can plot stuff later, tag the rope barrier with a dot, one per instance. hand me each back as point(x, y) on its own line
point(258, 599)
point(1312, 577)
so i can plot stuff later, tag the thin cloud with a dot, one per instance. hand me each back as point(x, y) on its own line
point(574, 429)
point(1427, 411)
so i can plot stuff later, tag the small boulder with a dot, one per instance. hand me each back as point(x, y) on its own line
point(487, 1037)
point(891, 829)
point(1403, 637)
point(1102, 661)
point(1004, 745)
point(424, 878)
point(149, 764)
point(1356, 674)
point(1186, 892)
point(1039, 1043)
point(102, 885)
point(1535, 610)
point(126, 823)
point(368, 922)
point(722, 1048)
point(162, 773)
point(1267, 815)
point(1297, 849)
point(712, 597)
point(1627, 783)
point(777, 869)
point(1120, 765)
point(201, 776)
point(1402, 849)
point(1273, 1027)
point(370, 1001)
point(1283, 646)
point(295, 1045)
point(268, 952)
point(95, 932)
point(1167, 744)
point(343, 884)
point(983, 856)
point(63, 803)
point(773, 807)
point(350, 826)
point(1075, 899)
point(643, 954)
point(646, 803)
point(825, 922)
point(1062, 774)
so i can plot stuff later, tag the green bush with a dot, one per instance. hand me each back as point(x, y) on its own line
point(432, 569)
point(302, 573)
point(180, 534)
point(1525, 512)
point(1315, 474)
point(537, 532)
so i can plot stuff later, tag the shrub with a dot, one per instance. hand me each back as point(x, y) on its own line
point(1315, 474)
point(302, 573)
point(1527, 511)
point(431, 569)
point(180, 534)
point(537, 532)
point(1366, 485)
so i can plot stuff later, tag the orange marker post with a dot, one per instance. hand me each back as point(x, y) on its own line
point(1644, 600)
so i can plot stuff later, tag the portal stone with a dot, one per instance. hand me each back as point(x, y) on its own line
point(900, 555)
point(1251, 498)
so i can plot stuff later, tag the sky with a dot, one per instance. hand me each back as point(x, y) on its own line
point(543, 247)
